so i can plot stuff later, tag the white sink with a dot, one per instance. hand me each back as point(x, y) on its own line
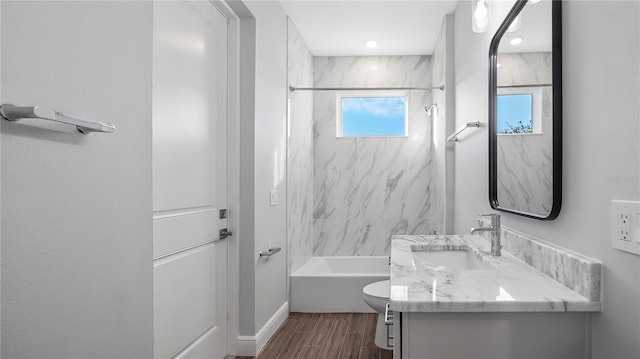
point(463, 259)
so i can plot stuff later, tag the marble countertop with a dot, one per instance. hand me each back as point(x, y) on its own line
point(511, 286)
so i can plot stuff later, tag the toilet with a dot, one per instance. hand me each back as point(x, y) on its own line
point(376, 295)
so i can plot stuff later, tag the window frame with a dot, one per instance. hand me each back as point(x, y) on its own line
point(371, 94)
point(536, 107)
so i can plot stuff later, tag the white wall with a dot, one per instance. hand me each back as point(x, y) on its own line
point(601, 148)
point(270, 156)
point(263, 280)
point(76, 209)
point(245, 233)
point(443, 116)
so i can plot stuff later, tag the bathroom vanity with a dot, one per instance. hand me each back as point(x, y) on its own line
point(451, 299)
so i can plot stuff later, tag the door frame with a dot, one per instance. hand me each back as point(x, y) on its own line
point(234, 26)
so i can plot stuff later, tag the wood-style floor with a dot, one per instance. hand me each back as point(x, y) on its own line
point(325, 336)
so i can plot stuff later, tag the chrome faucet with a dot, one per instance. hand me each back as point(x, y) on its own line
point(495, 232)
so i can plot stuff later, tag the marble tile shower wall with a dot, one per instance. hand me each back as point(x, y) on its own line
point(300, 152)
point(524, 161)
point(366, 189)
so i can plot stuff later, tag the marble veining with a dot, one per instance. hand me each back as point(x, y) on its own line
point(509, 286)
point(366, 189)
point(299, 152)
point(525, 68)
point(573, 270)
point(525, 162)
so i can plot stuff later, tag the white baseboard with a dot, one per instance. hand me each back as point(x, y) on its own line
point(252, 345)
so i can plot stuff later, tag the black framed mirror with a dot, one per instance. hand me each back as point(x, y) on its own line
point(525, 111)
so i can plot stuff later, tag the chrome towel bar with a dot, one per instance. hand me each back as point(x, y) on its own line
point(14, 113)
point(454, 136)
point(271, 251)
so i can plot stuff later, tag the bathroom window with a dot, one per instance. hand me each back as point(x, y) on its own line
point(372, 114)
point(518, 111)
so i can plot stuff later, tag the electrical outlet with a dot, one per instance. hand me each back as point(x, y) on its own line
point(274, 197)
point(625, 226)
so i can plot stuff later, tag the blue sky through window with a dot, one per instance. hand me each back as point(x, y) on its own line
point(373, 116)
point(514, 111)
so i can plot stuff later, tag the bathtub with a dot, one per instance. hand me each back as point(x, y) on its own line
point(334, 284)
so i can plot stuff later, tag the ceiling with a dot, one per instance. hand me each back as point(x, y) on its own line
point(535, 30)
point(340, 28)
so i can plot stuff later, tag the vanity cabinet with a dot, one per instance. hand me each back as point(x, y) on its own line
point(491, 335)
point(490, 307)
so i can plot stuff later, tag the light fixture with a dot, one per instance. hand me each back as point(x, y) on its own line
point(515, 25)
point(480, 15)
point(374, 67)
point(371, 44)
point(498, 64)
point(516, 40)
point(531, 2)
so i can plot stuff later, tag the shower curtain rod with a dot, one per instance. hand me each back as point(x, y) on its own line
point(523, 86)
point(293, 89)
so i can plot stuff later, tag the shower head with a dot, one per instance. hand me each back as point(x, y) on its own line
point(429, 109)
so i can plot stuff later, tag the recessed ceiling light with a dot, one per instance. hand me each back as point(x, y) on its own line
point(374, 67)
point(533, 2)
point(371, 44)
point(517, 40)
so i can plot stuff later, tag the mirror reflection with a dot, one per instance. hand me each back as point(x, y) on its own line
point(524, 113)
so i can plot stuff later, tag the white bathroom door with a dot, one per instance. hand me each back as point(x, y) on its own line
point(189, 180)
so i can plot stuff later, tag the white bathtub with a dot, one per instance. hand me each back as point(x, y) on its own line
point(334, 284)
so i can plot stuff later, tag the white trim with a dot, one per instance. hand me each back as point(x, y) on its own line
point(233, 173)
point(184, 353)
point(252, 345)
